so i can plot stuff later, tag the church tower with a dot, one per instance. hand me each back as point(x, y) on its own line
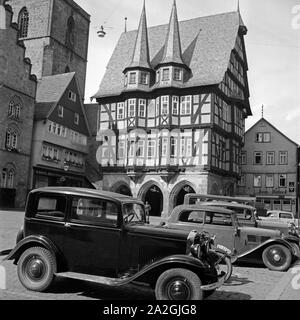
point(55, 33)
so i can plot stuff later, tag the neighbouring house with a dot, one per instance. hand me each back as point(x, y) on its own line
point(270, 167)
point(60, 134)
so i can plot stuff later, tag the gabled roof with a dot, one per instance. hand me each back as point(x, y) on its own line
point(49, 91)
point(172, 49)
point(274, 128)
point(206, 44)
point(140, 57)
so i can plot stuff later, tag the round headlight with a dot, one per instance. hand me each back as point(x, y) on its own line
point(196, 250)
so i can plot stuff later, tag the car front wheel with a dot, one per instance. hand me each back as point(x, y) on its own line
point(178, 284)
point(36, 268)
point(277, 257)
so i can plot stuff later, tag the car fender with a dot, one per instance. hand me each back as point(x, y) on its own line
point(174, 261)
point(265, 244)
point(294, 242)
point(31, 241)
point(20, 234)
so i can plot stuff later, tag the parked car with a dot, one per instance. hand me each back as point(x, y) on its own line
point(247, 214)
point(280, 216)
point(246, 243)
point(103, 237)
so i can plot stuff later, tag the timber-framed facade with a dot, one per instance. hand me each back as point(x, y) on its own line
point(171, 117)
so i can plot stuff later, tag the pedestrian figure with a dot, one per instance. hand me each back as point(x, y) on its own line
point(147, 209)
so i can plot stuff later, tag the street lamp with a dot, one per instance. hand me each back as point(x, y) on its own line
point(101, 33)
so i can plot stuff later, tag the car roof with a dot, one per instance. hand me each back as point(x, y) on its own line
point(195, 207)
point(279, 211)
point(226, 203)
point(87, 192)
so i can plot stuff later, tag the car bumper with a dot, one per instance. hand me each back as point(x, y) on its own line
point(215, 285)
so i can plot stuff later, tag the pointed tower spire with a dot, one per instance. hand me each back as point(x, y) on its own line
point(140, 56)
point(172, 51)
point(241, 22)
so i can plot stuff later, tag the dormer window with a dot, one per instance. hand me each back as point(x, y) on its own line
point(165, 74)
point(61, 111)
point(76, 118)
point(177, 74)
point(144, 78)
point(132, 78)
point(72, 95)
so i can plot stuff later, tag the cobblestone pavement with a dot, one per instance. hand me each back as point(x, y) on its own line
point(245, 284)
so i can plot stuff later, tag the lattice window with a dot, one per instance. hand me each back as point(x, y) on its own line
point(23, 23)
point(11, 139)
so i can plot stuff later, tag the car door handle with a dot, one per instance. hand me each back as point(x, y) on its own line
point(67, 225)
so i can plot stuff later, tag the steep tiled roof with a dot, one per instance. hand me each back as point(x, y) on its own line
point(206, 46)
point(140, 56)
point(43, 109)
point(49, 91)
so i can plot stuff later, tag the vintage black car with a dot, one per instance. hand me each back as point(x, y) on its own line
point(103, 237)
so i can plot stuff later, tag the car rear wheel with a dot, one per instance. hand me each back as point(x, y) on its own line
point(277, 257)
point(178, 284)
point(36, 268)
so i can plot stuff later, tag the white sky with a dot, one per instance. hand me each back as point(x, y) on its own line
point(272, 44)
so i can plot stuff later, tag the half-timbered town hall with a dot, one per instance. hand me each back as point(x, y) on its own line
point(172, 107)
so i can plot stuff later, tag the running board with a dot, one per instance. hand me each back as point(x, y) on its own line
point(94, 279)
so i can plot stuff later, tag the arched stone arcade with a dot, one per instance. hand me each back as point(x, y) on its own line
point(179, 191)
point(152, 193)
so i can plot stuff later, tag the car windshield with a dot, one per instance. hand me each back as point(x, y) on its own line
point(285, 216)
point(133, 212)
